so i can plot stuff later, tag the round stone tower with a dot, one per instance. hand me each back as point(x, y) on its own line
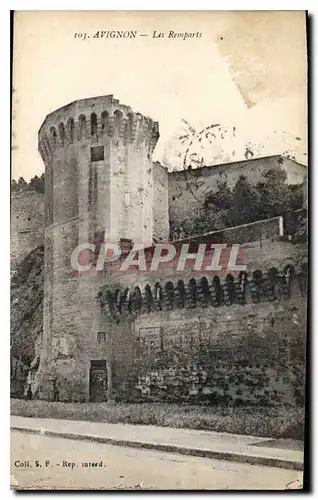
point(98, 185)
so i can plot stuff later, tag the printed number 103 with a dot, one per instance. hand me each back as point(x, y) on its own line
point(82, 36)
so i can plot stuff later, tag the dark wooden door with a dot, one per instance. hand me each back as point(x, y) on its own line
point(98, 381)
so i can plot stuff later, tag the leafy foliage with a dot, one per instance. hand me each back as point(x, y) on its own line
point(35, 184)
point(246, 203)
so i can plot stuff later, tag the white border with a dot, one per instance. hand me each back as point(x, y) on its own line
point(161, 5)
point(5, 174)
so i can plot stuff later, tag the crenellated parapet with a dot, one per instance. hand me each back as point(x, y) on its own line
point(269, 285)
point(94, 120)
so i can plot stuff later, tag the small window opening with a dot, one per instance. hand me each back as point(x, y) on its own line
point(101, 337)
point(97, 153)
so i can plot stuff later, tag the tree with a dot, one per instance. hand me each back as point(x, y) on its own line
point(246, 203)
point(22, 182)
point(222, 199)
point(36, 184)
point(14, 185)
point(272, 194)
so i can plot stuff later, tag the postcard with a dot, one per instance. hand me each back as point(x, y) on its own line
point(159, 196)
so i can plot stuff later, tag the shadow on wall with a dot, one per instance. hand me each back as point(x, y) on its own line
point(270, 285)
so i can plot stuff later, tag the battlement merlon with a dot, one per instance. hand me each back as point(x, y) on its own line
point(93, 120)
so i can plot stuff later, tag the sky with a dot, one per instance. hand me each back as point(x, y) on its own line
point(246, 74)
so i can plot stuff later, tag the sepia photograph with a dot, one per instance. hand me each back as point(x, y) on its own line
point(159, 250)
